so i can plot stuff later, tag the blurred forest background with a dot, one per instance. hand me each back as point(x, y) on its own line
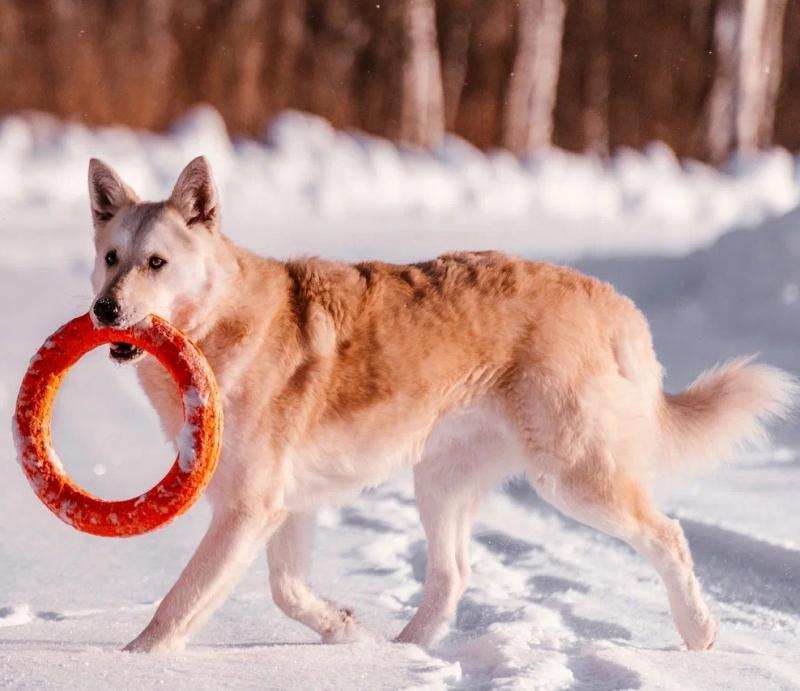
point(708, 77)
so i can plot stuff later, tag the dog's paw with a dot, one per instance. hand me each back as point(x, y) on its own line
point(703, 636)
point(346, 629)
point(423, 639)
point(145, 643)
point(422, 632)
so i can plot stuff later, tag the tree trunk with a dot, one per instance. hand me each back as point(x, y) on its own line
point(748, 38)
point(422, 107)
point(528, 116)
point(597, 83)
point(721, 103)
point(455, 51)
point(759, 72)
point(285, 40)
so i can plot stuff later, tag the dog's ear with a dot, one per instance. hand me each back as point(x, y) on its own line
point(107, 193)
point(195, 195)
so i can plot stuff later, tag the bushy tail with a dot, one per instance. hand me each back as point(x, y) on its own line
point(725, 408)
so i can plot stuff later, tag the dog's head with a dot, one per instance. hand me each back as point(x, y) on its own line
point(151, 258)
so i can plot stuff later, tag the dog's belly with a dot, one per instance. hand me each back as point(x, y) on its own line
point(342, 460)
point(339, 463)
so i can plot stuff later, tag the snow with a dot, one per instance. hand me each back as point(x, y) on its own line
point(192, 402)
point(15, 615)
point(306, 181)
point(712, 258)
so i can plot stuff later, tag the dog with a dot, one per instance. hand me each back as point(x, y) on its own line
point(469, 368)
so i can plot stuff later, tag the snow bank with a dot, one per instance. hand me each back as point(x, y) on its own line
point(303, 171)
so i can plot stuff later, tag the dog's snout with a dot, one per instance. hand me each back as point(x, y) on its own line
point(107, 310)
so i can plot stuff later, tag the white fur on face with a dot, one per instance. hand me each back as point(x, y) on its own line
point(136, 234)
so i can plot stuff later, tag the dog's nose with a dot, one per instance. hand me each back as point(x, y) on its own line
point(107, 310)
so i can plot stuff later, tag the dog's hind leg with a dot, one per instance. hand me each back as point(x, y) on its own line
point(601, 494)
point(449, 486)
point(226, 550)
point(289, 556)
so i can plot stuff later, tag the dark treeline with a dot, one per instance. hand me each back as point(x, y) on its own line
point(708, 77)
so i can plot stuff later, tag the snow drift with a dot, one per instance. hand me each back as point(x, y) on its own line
point(303, 174)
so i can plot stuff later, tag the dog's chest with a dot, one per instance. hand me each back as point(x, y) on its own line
point(163, 394)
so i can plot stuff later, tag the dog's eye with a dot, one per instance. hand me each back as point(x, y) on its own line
point(156, 262)
point(111, 258)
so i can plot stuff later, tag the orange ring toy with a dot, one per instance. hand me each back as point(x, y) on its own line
point(198, 442)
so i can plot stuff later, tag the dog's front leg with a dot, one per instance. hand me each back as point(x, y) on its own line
point(226, 550)
point(289, 554)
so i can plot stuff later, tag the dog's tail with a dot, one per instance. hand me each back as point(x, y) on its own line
point(725, 408)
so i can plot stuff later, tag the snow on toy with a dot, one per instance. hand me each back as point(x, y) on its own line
point(198, 441)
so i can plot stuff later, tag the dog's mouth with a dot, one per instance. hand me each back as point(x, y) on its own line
point(125, 352)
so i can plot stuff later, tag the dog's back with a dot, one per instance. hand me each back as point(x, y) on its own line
point(462, 324)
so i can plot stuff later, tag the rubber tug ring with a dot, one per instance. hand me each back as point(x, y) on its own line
point(198, 441)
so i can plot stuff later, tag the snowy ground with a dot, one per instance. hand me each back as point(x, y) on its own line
point(553, 605)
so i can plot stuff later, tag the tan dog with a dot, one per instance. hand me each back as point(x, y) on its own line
point(467, 368)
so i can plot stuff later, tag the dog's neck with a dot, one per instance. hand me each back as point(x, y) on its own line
point(241, 286)
point(224, 274)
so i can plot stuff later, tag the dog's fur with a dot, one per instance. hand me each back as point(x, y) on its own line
point(468, 368)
